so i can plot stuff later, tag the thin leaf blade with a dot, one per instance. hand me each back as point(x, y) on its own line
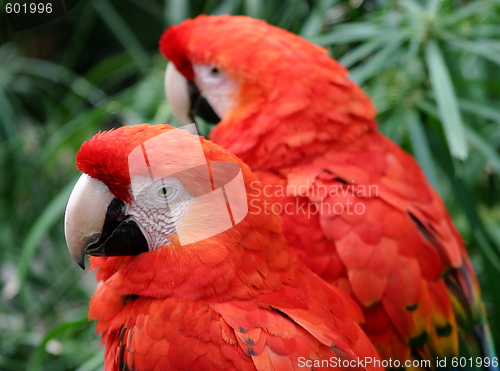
point(446, 100)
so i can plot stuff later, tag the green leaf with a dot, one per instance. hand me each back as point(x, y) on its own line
point(484, 110)
point(176, 11)
point(492, 227)
point(93, 364)
point(446, 101)
point(433, 6)
point(227, 7)
point(463, 12)
point(487, 249)
point(484, 148)
point(254, 8)
point(463, 197)
point(7, 118)
point(413, 7)
point(36, 362)
point(76, 45)
point(391, 125)
point(45, 222)
point(60, 74)
point(482, 48)
point(123, 33)
point(485, 30)
point(314, 22)
point(152, 8)
point(421, 147)
point(351, 32)
point(292, 9)
point(380, 61)
point(312, 25)
point(364, 50)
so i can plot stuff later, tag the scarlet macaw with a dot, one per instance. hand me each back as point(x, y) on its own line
point(177, 289)
point(357, 208)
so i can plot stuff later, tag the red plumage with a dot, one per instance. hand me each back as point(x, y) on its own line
point(238, 300)
point(302, 125)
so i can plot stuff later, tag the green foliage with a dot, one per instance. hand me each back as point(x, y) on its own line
point(432, 69)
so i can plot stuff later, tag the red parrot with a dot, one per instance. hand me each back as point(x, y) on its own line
point(356, 208)
point(193, 271)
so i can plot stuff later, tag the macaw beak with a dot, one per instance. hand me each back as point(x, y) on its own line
point(95, 223)
point(186, 99)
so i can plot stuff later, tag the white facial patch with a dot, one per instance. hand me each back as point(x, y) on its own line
point(176, 191)
point(217, 88)
point(158, 207)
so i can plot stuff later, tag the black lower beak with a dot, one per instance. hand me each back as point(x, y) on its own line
point(121, 236)
point(200, 106)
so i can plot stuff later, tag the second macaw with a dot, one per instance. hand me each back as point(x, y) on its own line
point(356, 207)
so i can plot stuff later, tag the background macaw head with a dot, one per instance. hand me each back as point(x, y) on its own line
point(261, 82)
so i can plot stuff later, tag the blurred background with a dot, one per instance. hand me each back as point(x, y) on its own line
point(432, 68)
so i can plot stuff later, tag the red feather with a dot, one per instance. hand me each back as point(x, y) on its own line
point(303, 125)
point(238, 300)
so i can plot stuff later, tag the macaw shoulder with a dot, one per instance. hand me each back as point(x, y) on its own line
point(164, 334)
point(156, 334)
point(271, 331)
point(374, 162)
point(388, 188)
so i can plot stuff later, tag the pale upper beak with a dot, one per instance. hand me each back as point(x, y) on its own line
point(186, 100)
point(85, 215)
point(96, 223)
point(176, 90)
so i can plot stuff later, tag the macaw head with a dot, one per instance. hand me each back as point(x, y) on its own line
point(262, 84)
point(153, 193)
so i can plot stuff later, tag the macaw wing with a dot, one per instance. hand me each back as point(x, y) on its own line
point(287, 336)
point(373, 226)
point(146, 334)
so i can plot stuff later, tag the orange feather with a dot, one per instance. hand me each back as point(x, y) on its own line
point(238, 300)
point(299, 122)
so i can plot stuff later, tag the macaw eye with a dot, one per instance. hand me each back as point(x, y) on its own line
point(214, 71)
point(164, 191)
